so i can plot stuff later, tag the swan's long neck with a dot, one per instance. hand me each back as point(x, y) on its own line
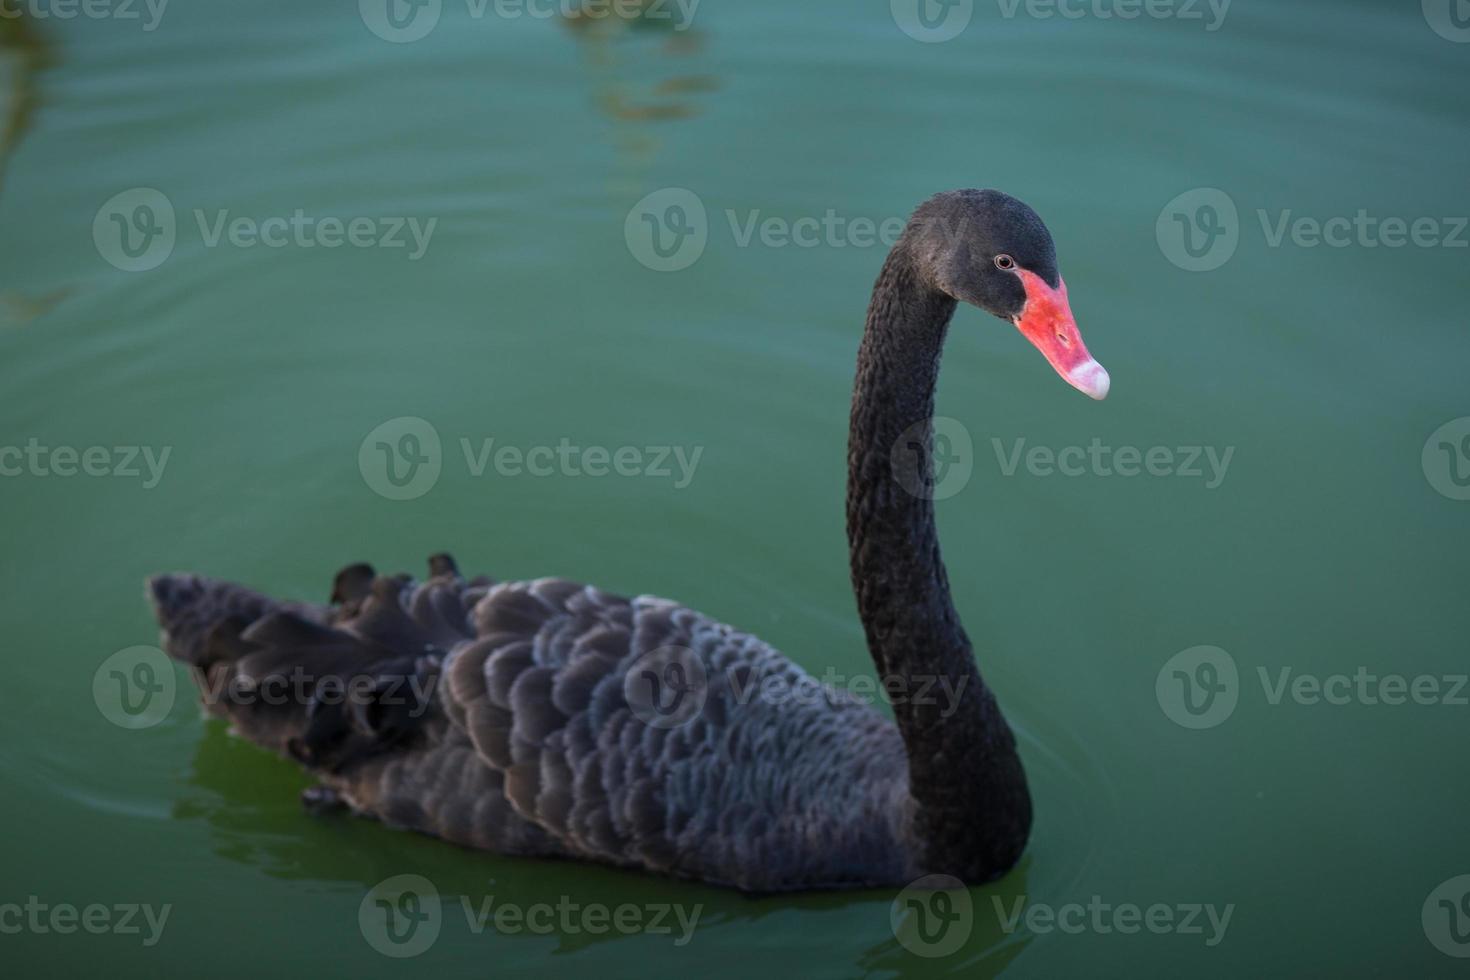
point(973, 811)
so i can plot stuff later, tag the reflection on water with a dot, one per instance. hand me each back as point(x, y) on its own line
point(617, 46)
point(249, 799)
point(24, 54)
point(242, 796)
point(17, 308)
point(642, 75)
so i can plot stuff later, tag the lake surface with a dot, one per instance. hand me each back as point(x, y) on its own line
point(549, 231)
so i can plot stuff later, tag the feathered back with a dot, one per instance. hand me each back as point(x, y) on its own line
point(499, 716)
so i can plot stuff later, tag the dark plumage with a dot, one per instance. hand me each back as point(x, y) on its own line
point(543, 718)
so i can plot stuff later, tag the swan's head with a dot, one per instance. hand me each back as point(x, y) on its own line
point(988, 249)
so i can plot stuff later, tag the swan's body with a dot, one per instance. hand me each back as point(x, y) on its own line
point(528, 744)
point(551, 719)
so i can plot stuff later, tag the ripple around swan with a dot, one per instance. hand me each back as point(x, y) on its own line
point(247, 799)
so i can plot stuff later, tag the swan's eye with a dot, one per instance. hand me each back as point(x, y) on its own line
point(1005, 263)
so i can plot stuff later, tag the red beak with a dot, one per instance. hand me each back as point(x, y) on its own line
point(1047, 322)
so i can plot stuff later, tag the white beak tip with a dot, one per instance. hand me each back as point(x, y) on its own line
point(1092, 379)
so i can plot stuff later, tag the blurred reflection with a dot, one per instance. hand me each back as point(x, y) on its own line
point(250, 801)
point(17, 308)
point(24, 54)
point(625, 91)
point(641, 70)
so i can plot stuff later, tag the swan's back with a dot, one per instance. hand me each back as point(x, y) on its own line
point(550, 718)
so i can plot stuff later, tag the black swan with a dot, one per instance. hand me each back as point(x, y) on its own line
point(547, 718)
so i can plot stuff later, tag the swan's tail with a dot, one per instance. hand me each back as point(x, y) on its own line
point(189, 608)
point(324, 684)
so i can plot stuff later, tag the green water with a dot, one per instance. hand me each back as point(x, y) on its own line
point(1333, 542)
